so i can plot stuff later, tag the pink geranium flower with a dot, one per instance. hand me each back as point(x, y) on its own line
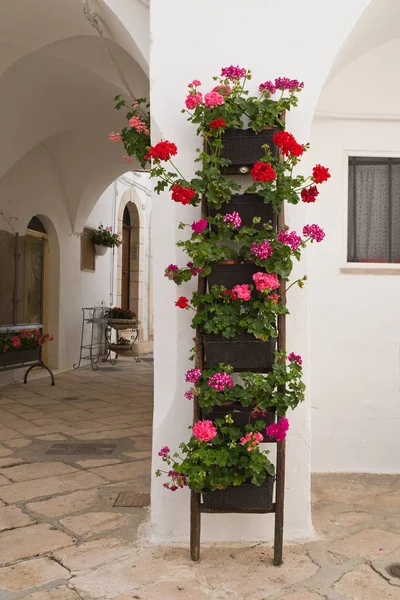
point(264, 281)
point(220, 381)
point(213, 99)
point(243, 292)
point(198, 226)
point(204, 431)
point(193, 100)
point(233, 218)
point(192, 375)
point(295, 358)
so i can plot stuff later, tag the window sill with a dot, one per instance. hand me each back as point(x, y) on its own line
point(371, 269)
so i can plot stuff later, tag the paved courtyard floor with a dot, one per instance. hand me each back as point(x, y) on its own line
point(61, 538)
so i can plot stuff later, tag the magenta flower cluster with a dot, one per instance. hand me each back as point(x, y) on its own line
point(278, 430)
point(295, 358)
point(178, 480)
point(262, 250)
point(198, 226)
point(164, 452)
point(282, 84)
point(233, 218)
point(289, 239)
point(314, 232)
point(193, 375)
point(233, 72)
point(220, 381)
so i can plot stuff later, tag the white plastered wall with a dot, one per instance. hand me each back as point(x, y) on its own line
point(190, 55)
point(354, 315)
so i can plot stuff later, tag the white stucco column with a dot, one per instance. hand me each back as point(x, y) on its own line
point(186, 44)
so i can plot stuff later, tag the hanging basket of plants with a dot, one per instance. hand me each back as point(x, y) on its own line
point(246, 497)
point(100, 250)
point(104, 238)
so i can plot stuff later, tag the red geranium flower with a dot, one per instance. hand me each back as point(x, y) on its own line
point(218, 124)
point(309, 194)
point(16, 342)
point(182, 194)
point(162, 151)
point(182, 302)
point(320, 174)
point(287, 143)
point(263, 171)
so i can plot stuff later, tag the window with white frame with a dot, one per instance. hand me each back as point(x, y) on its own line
point(374, 210)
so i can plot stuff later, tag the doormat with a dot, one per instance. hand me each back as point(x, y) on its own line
point(82, 449)
point(132, 499)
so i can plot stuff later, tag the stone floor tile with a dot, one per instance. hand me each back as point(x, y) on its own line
point(40, 429)
point(18, 442)
point(138, 455)
point(91, 524)
point(369, 543)
point(304, 595)
point(97, 462)
point(4, 480)
point(5, 451)
point(59, 593)
point(37, 488)
point(6, 433)
point(123, 471)
point(29, 574)
point(113, 434)
point(143, 443)
point(364, 584)
point(51, 437)
point(65, 504)
point(91, 555)
point(10, 461)
point(34, 540)
point(12, 517)
point(37, 470)
point(39, 401)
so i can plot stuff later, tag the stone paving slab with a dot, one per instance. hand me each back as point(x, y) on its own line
point(31, 541)
point(30, 574)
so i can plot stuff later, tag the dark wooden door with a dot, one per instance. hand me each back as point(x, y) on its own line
point(126, 267)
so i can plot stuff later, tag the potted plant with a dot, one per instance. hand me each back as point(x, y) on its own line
point(122, 345)
point(226, 466)
point(23, 346)
point(135, 137)
point(104, 238)
point(120, 318)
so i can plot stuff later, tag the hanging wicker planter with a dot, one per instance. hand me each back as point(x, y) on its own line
point(232, 272)
point(240, 414)
point(248, 206)
point(243, 147)
point(242, 352)
point(241, 498)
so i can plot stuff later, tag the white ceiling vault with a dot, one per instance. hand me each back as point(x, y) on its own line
point(57, 85)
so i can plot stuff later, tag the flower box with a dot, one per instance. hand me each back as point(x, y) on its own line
point(100, 250)
point(243, 147)
point(241, 498)
point(242, 352)
point(19, 357)
point(120, 348)
point(240, 414)
point(122, 324)
point(231, 273)
point(248, 206)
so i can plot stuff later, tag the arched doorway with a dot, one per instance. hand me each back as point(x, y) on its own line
point(130, 275)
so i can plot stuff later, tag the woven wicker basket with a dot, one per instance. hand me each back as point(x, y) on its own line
point(242, 497)
point(231, 274)
point(240, 415)
point(248, 206)
point(244, 146)
point(242, 352)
